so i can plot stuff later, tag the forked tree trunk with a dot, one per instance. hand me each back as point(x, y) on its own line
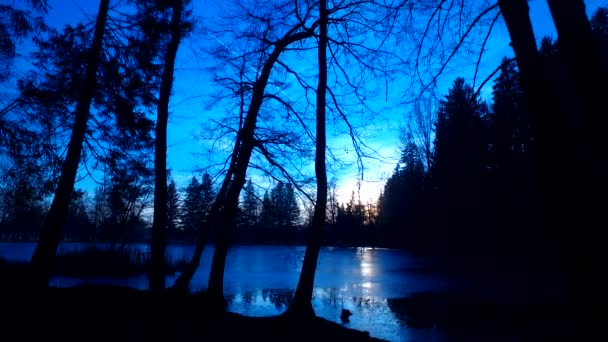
point(221, 214)
point(183, 280)
point(545, 124)
point(586, 85)
point(566, 145)
point(53, 226)
point(159, 225)
point(301, 304)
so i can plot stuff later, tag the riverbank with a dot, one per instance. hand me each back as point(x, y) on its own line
point(110, 313)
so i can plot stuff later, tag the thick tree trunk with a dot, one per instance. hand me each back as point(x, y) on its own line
point(53, 227)
point(159, 225)
point(548, 150)
point(585, 86)
point(569, 145)
point(583, 89)
point(301, 304)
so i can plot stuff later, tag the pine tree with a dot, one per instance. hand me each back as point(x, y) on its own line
point(292, 209)
point(267, 216)
point(208, 195)
point(459, 168)
point(192, 209)
point(15, 25)
point(250, 205)
point(173, 207)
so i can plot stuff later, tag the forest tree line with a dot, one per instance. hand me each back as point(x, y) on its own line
point(478, 189)
point(119, 213)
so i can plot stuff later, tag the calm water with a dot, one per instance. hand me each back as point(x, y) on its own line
point(260, 280)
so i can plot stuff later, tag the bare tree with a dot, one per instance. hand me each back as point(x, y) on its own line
point(259, 41)
point(302, 300)
point(224, 208)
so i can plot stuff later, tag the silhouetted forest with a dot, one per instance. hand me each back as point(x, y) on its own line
point(515, 183)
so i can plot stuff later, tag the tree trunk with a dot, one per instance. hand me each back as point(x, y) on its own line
point(159, 225)
point(53, 226)
point(219, 215)
point(301, 304)
point(584, 87)
point(569, 145)
point(183, 281)
point(587, 86)
point(243, 155)
point(549, 249)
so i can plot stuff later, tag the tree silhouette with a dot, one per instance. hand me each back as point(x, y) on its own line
point(229, 193)
point(173, 207)
point(53, 225)
point(15, 25)
point(301, 305)
point(250, 205)
point(178, 28)
point(192, 208)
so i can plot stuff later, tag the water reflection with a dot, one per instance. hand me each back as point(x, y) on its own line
point(259, 282)
point(370, 313)
point(367, 264)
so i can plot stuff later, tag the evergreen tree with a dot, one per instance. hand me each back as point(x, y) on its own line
point(292, 209)
point(128, 194)
point(208, 195)
point(78, 224)
point(105, 71)
point(278, 196)
point(459, 169)
point(510, 118)
point(192, 209)
point(173, 207)
point(250, 205)
point(15, 25)
point(285, 210)
point(332, 202)
point(267, 216)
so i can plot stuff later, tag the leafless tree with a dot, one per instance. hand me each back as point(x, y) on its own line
point(270, 46)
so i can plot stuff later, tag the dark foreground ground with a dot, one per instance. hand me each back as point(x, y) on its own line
point(112, 313)
point(107, 313)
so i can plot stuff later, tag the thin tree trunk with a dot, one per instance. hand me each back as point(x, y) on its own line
point(159, 225)
point(53, 226)
point(301, 304)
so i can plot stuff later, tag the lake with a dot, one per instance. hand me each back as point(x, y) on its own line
point(260, 281)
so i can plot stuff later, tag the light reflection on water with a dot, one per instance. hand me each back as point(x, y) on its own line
point(259, 282)
point(370, 313)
